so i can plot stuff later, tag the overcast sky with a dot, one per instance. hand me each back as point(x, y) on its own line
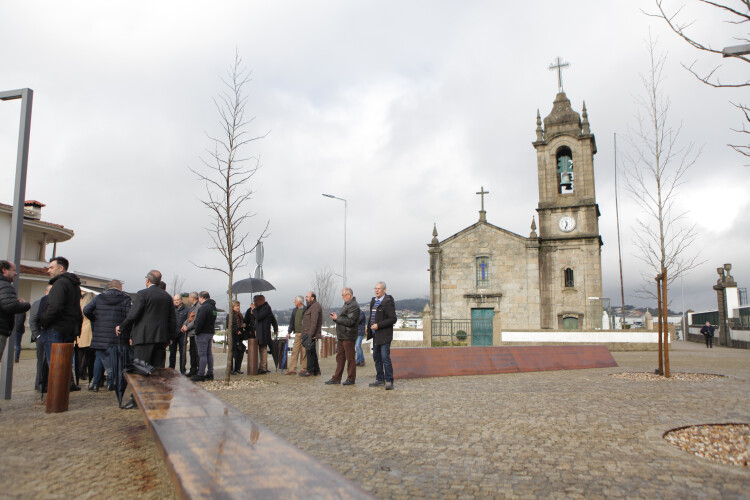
point(403, 108)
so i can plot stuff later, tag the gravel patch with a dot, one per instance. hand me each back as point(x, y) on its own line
point(679, 377)
point(725, 443)
point(220, 385)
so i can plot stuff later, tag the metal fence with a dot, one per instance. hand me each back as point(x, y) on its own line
point(461, 332)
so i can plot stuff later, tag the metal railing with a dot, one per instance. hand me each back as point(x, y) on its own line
point(461, 332)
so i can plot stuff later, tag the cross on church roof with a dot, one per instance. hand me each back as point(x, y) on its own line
point(559, 65)
point(482, 213)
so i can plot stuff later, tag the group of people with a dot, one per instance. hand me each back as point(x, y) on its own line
point(352, 325)
point(156, 323)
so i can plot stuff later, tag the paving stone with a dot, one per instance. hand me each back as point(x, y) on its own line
point(572, 434)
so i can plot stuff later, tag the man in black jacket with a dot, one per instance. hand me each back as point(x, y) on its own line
point(106, 311)
point(151, 322)
point(205, 324)
point(181, 314)
point(61, 319)
point(380, 329)
point(10, 304)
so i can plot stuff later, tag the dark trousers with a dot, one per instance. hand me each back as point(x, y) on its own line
point(709, 341)
point(346, 354)
point(381, 354)
point(313, 368)
point(41, 365)
point(85, 359)
point(18, 336)
point(178, 343)
point(154, 354)
point(194, 358)
point(238, 353)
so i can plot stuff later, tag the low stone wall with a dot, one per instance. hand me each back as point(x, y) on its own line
point(615, 340)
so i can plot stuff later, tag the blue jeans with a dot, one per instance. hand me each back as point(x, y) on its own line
point(104, 358)
point(18, 336)
point(358, 349)
point(383, 367)
point(205, 354)
point(49, 337)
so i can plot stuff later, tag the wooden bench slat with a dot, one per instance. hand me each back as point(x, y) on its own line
point(213, 450)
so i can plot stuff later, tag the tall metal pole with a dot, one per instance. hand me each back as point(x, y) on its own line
point(345, 209)
point(658, 301)
point(16, 227)
point(619, 246)
point(665, 312)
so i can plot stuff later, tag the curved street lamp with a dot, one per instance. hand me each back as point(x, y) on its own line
point(342, 199)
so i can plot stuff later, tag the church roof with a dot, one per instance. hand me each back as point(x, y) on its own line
point(562, 119)
point(478, 224)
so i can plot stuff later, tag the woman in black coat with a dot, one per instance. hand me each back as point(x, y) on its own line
point(264, 321)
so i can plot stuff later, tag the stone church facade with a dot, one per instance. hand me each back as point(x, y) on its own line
point(549, 280)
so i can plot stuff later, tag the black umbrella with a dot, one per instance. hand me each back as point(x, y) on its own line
point(252, 285)
point(119, 364)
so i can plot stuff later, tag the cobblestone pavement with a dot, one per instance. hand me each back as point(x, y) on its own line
point(563, 434)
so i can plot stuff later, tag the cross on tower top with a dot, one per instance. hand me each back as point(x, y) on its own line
point(559, 65)
point(482, 213)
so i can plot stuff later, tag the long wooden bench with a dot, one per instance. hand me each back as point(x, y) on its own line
point(213, 450)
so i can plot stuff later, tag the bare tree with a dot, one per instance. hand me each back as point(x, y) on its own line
point(229, 171)
point(177, 283)
point(712, 77)
point(653, 170)
point(324, 286)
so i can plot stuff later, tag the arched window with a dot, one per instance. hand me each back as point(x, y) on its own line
point(565, 179)
point(483, 272)
point(569, 281)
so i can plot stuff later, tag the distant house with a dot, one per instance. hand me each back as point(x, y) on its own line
point(38, 235)
point(39, 244)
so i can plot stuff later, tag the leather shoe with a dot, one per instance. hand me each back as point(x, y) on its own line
point(209, 376)
point(291, 373)
point(198, 378)
point(332, 382)
point(348, 382)
point(129, 405)
point(377, 383)
point(389, 387)
point(305, 374)
point(74, 388)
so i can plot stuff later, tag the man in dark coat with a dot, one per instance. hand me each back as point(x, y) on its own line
point(61, 319)
point(205, 325)
point(151, 322)
point(380, 329)
point(346, 332)
point(181, 314)
point(264, 322)
point(10, 304)
point(188, 328)
point(708, 332)
point(312, 324)
point(106, 311)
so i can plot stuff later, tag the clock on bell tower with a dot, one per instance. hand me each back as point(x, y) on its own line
point(569, 240)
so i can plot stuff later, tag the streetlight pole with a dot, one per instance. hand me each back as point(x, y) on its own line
point(342, 199)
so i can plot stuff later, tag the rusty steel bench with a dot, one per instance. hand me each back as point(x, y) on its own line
point(416, 362)
point(213, 450)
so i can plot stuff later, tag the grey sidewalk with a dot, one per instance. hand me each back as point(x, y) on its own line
point(571, 434)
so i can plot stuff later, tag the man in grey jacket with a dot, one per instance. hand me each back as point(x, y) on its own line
point(189, 329)
point(346, 332)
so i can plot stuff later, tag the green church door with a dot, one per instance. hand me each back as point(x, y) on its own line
point(481, 326)
point(570, 323)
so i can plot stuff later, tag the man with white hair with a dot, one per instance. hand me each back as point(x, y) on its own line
point(380, 329)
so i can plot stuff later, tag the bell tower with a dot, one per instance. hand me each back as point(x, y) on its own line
point(569, 240)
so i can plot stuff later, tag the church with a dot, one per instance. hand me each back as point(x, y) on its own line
point(550, 280)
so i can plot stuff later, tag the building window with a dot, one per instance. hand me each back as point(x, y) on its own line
point(565, 179)
point(569, 281)
point(483, 272)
